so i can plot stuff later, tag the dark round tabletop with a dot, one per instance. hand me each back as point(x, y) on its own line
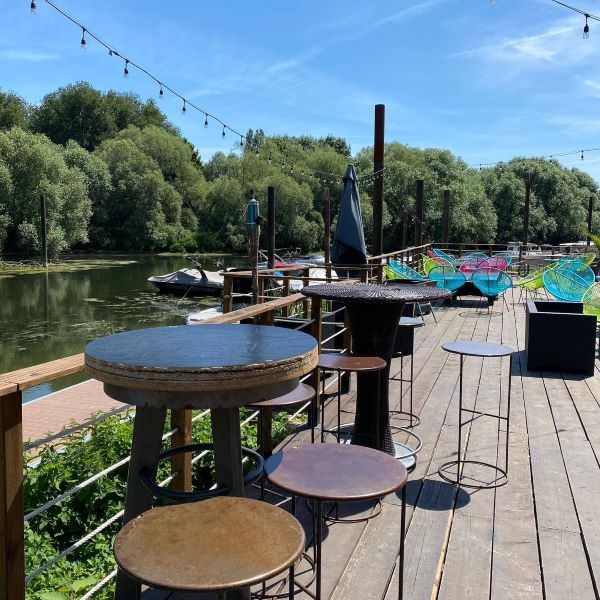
point(336, 472)
point(201, 357)
point(218, 544)
point(484, 349)
point(374, 292)
point(347, 362)
point(303, 393)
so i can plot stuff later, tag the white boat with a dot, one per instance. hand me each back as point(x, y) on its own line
point(189, 282)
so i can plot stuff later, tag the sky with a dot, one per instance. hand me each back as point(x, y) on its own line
point(486, 80)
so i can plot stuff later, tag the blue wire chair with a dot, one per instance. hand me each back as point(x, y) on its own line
point(481, 255)
point(447, 277)
point(492, 282)
point(579, 267)
point(506, 254)
point(451, 259)
point(564, 284)
point(406, 270)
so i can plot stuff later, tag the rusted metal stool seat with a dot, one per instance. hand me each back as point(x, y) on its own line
point(482, 350)
point(344, 363)
point(217, 545)
point(301, 395)
point(337, 473)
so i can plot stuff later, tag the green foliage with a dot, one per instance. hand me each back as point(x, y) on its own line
point(81, 455)
point(14, 112)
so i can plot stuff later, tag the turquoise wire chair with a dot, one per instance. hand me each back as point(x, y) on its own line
point(448, 257)
point(400, 267)
point(579, 267)
point(447, 277)
point(492, 282)
point(506, 254)
point(481, 255)
point(564, 284)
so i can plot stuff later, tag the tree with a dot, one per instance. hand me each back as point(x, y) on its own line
point(14, 112)
point(32, 165)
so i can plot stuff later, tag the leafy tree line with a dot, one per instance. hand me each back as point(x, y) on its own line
point(118, 176)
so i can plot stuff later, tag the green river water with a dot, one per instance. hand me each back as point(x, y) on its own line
point(45, 316)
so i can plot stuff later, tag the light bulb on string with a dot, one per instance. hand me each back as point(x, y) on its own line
point(161, 92)
point(270, 159)
point(83, 42)
point(205, 120)
point(292, 169)
point(126, 70)
point(241, 142)
point(184, 108)
point(257, 153)
point(223, 134)
point(586, 28)
point(582, 155)
point(110, 52)
point(33, 7)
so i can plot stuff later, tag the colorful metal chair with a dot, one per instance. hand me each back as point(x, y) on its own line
point(447, 277)
point(445, 256)
point(494, 262)
point(492, 282)
point(481, 255)
point(400, 267)
point(428, 264)
point(470, 264)
point(564, 284)
point(444, 262)
point(579, 268)
point(506, 254)
point(591, 300)
point(391, 273)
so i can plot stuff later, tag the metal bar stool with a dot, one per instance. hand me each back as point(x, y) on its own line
point(218, 545)
point(338, 473)
point(481, 349)
point(350, 364)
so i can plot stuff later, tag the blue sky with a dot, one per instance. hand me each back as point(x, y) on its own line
point(487, 81)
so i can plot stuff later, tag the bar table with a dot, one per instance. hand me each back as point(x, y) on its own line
point(219, 367)
point(374, 312)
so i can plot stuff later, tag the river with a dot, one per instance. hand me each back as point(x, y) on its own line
point(45, 316)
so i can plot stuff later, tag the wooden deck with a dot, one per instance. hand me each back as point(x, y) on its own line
point(537, 537)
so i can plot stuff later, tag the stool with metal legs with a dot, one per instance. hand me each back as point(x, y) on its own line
point(321, 472)
point(350, 364)
point(217, 545)
point(301, 395)
point(483, 350)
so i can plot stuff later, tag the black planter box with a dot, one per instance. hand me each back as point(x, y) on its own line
point(559, 337)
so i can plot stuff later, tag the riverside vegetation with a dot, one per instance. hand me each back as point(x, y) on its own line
point(118, 176)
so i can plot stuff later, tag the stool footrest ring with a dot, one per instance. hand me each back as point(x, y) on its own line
point(148, 478)
point(501, 480)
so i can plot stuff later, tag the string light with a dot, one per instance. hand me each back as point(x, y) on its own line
point(183, 109)
point(586, 28)
point(113, 52)
point(543, 157)
point(205, 121)
point(83, 42)
point(241, 141)
point(161, 92)
point(582, 155)
point(587, 15)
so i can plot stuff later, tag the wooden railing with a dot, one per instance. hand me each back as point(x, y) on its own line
point(12, 386)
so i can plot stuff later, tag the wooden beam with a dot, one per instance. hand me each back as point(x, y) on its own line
point(30, 376)
point(12, 543)
point(446, 217)
point(419, 213)
point(181, 463)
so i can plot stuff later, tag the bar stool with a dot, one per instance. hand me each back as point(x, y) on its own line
point(338, 473)
point(217, 545)
point(350, 364)
point(483, 350)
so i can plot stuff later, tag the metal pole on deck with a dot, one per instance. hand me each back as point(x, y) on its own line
point(253, 220)
point(327, 236)
point(419, 213)
point(446, 217)
point(378, 163)
point(271, 226)
point(589, 223)
point(44, 230)
point(525, 219)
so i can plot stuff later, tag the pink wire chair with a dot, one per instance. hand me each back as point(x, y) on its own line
point(494, 262)
point(471, 264)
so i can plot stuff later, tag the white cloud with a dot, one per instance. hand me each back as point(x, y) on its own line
point(27, 55)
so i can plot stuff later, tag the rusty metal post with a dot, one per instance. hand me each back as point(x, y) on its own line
point(419, 213)
point(181, 464)
point(316, 328)
point(44, 230)
point(525, 220)
point(271, 226)
point(589, 220)
point(378, 163)
point(327, 237)
point(446, 218)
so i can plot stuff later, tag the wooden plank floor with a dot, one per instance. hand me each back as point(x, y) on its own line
point(536, 537)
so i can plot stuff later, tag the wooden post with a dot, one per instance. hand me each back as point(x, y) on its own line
point(12, 531)
point(378, 163)
point(271, 227)
point(327, 237)
point(419, 213)
point(44, 230)
point(446, 218)
point(525, 219)
point(227, 294)
point(181, 463)
point(589, 222)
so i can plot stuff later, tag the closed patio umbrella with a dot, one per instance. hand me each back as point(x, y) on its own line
point(349, 239)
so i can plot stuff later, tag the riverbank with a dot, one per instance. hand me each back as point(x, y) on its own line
point(27, 267)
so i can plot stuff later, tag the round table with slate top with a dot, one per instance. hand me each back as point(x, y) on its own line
point(219, 367)
point(374, 312)
point(482, 350)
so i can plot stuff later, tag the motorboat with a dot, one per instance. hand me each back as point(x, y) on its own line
point(189, 282)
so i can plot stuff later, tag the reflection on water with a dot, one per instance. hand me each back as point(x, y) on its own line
point(50, 315)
